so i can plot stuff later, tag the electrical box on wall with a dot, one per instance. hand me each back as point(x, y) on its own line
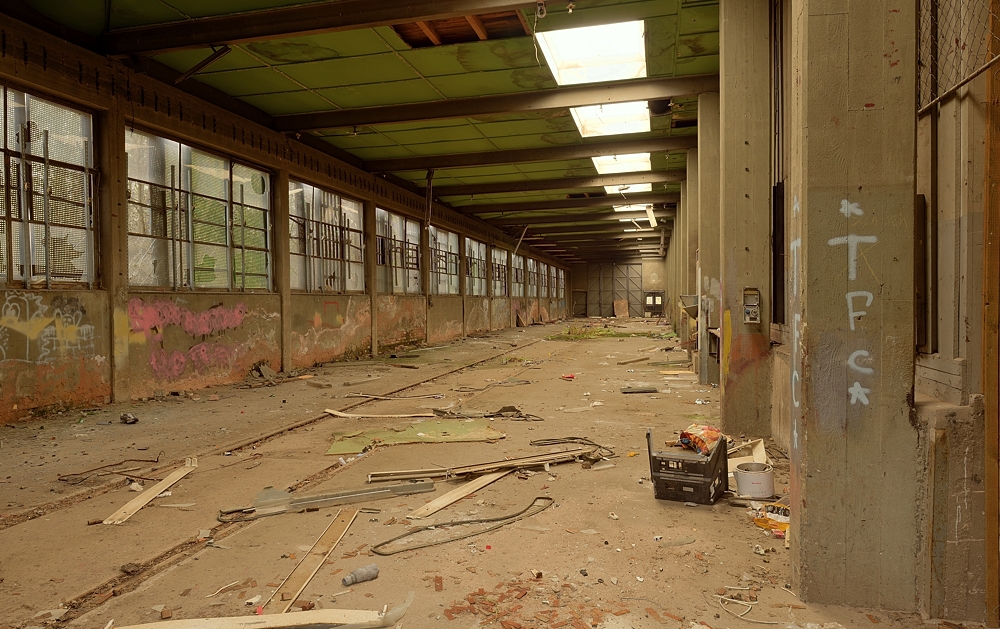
point(751, 305)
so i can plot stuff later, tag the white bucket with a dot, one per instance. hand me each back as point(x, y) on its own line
point(754, 480)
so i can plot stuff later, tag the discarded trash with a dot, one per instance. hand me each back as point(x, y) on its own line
point(754, 480)
point(250, 602)
point(568, 376)
point(634, 360)
point(134, 486)
point(701, 439)
point(602, 465)
point(701, 401)
point(360, 575)
point(613, 515)
point(273, 501)
point(758, 549)
point(437, 431)
point(128, 418)
point(683, 541)
point(639, 390)
point(774, 516)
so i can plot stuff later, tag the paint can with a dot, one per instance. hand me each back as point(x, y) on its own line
point(754, 480)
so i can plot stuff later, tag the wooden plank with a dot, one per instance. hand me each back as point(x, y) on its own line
point(482, 468)
point(431, 32)
point(309, 565)
point(457, 494)
point(477, 25)
point(991, 323)
point(633, 360)
point(318, 617)
point(366, 416)
point(621, 308)
point(140, 501)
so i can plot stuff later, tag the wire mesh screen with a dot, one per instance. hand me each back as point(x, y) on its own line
point(954, 45)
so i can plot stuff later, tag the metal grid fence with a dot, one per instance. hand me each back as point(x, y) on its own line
point(955, 46)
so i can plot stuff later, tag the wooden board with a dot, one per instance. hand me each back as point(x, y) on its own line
point(457, 494)
point(633, 360)
point(350, 416)
point(318, 617)
point(309, 565)
point(621, 309)
point(482, 468)
point(140, 501)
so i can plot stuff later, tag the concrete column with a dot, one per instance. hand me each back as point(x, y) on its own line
point(691, 270)
point(281, 260)
point(113, 259)
point(425, 276)
point(371, 269)
point(745, 139)
point(709, 282)
point(681, 271)
point(858, 468)
point(463, 288)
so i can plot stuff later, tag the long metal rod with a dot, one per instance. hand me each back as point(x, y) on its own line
point(951, 92)
point(45, 209)
point(204, 63)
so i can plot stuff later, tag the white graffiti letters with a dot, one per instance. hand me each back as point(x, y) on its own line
point(852, 241)
point(859, 393)
point(852, 362)
point(851, 312)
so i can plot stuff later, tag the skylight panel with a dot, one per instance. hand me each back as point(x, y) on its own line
point(610, 164)
point(591, 54)
point(612, 119)
point(631, 188)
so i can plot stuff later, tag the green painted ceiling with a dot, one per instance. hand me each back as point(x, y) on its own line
point(374, 66)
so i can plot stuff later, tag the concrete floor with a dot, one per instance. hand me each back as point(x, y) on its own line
point(50, 557)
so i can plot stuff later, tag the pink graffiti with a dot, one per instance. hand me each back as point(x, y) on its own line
point(152, 318)
point(172, 365)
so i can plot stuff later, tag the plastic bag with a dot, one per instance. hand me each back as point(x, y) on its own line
point(702, 439)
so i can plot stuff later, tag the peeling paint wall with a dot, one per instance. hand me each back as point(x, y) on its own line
point(54, 349)
point(401, 320)
point(330, 327)
point(500, 314)
point(196, 340)
point(477, 315)
point(444, 318)
point(519, 305)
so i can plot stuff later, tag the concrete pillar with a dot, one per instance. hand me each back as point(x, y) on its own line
point(425, 276)
point(858, 468)
point(682, 261)
point(371, 268)
point(709, 281)
point(281, 260)
point(113, 259)
point(463, 277)
point(691, 269)
point(745, 140)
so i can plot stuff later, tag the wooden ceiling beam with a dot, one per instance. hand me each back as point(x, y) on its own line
point(429, 30)
point(646, 89)
point(283, 22)
point(584, 150)
point(607, 201)
point(477, 25)
point(567, 183)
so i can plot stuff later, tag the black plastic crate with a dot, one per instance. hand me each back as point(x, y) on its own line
point(687, 476)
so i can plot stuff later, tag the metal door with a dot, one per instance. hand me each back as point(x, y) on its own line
point(579, 303)
point(608, 282)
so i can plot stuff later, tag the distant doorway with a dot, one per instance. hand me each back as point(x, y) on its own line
point(580, 303)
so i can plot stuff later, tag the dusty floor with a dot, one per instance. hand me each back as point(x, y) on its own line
point(658, 562)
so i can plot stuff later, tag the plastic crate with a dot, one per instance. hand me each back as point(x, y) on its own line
point(687, 476)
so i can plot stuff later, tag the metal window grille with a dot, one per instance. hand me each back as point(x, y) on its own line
point(543, 280)
point(517, 279)
point(47, 184)
point(562, 283)
point(397, 253)
point(954, 47)
point(326, 240)
point(475, 267)
point(532, 284)
point(445, 261)
point(499, 273)
point(195, 220)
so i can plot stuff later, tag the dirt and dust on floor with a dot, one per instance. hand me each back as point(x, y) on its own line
point(502, 481)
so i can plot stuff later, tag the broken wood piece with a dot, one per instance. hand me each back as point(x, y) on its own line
point(633, 360)
point(140, 501)
point(640, 390)
point(402, 366)
point(457, 494)
point(350, 416)
point(482, 468)
point(300, 576)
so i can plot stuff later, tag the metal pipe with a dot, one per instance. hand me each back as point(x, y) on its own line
point(948, 93)
point(45, 208)
point(174, 233)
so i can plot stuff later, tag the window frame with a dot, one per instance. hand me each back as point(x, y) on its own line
point(499, 271)
point(517, 283)
point(332, 252)
point(445, 264)
point(397, 260)
point(476, 273)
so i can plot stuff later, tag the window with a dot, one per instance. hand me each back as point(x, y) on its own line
point(561, 278)
point(532, 283)
point(445, 261)
point(475, 267)
point(499, 273)
point(195, 220)
point(517, 281)
point(46, 192)
point(543, 280)
point(326, 240)
point(397, 253)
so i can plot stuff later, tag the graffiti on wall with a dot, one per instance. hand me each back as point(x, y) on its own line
point(33, 331)
point(152, 319)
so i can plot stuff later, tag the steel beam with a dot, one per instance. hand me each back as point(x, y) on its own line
point(610, 228)
point(661, 215)
point(544, 154)
point(659, 88)
point(608, 201)
point(304, 19)
point(597, 181)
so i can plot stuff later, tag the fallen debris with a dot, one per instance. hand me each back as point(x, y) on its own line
point(360, 575)
point(640, 390)
point(633, 360)
point(480, 468)
point(350, 416)
point(505, 412)
point(438, 431)
point(273, 501)
point(456, 494)
point(145, 497)
point(128, 418)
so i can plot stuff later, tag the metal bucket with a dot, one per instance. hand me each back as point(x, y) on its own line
point(754, 480)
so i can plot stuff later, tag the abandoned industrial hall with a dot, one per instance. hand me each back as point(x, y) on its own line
point(582, 314)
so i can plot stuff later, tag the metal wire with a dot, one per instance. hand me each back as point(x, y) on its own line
point(953, 46)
